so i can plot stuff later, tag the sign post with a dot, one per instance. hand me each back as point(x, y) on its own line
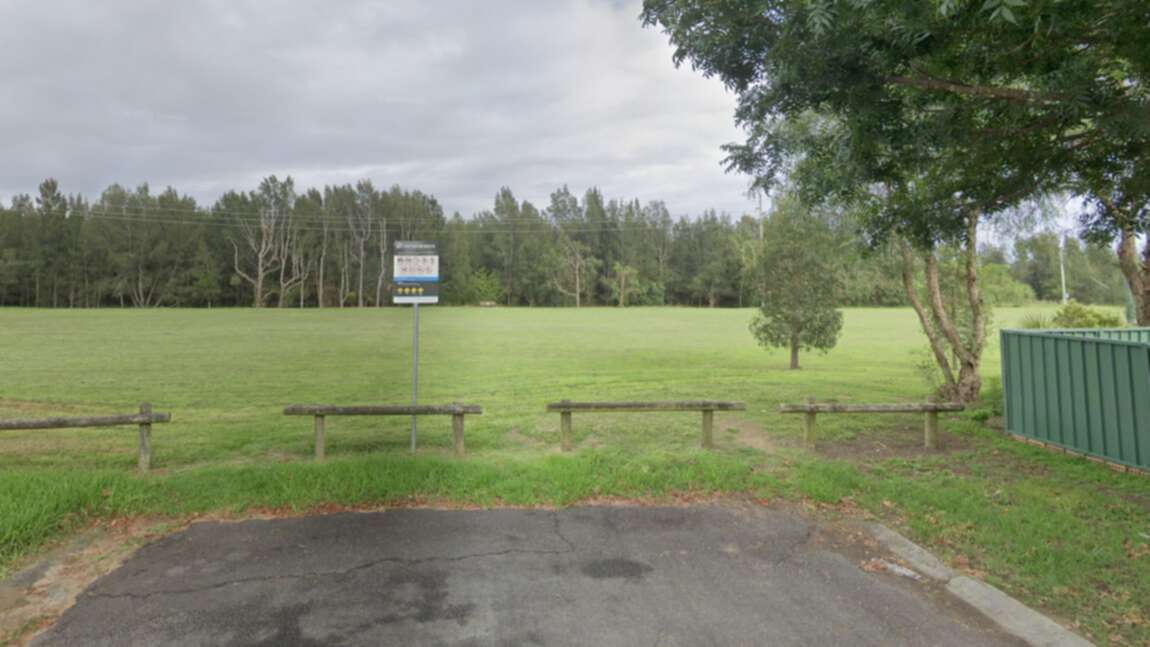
point(415, 281)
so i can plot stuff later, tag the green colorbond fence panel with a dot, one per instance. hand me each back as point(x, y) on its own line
point(1065, 385)
point(1105, 367)
point(1087, 390)
point(1135, 335)
point(1141, 382)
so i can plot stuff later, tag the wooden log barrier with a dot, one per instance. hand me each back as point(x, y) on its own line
point(322, 411)
point(144, 420)
point(707, 407)
point(930, 411)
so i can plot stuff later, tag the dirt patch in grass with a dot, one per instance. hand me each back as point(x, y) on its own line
point(749, 434)
point(900, 442)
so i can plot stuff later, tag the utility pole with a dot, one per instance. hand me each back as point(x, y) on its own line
point(1062, 264)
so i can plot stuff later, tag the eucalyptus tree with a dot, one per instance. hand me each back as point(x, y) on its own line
point(361, 221)
point(261, 221)
point(622, 283)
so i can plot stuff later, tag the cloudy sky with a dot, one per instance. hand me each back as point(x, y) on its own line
point(455, 98)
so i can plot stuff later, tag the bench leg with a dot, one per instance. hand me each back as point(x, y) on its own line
point(565, 430)
point(930, 430)
point(457, 433)
point(708, 429)
point(144, 454)
point(320, 450)
point(809, 429)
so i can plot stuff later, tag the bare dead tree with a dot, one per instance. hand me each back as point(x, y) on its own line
point(261, 237)
point(303, 269)
point(344, 278)
point(574, 263)
point(359, 225)
point(381, 241)
point(292, 255)
point(321, 263)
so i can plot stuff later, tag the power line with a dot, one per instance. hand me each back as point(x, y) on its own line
point(254, 216)
point(541, 227)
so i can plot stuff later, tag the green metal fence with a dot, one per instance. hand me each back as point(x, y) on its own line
point(1086, 390)
point(1140, 335)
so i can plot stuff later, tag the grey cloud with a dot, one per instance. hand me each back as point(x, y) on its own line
point(453, 98)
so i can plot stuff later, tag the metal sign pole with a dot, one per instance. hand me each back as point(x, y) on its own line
point(415, 280)
point(414, 369)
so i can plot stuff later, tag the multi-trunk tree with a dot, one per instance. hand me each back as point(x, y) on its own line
point(934, 116)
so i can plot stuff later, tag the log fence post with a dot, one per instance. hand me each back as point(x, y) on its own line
point(565, 428)
point(320, 445)
point(930, 430)
point(457, 433)
point(809, 429)
point(144, 457)
point(809, 426)
point(708, 429)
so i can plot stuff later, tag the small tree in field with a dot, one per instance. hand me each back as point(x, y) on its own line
point(800, 284)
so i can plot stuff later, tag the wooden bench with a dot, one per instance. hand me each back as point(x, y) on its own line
point(320, 411)
point(930, 409)
point(145, 418)
point(708, 407)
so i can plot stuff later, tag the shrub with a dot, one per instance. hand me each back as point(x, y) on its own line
point(1076, 315)
point(999, 288)
point(1035, 321)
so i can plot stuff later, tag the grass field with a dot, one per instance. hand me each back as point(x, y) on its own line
point(1060, 533)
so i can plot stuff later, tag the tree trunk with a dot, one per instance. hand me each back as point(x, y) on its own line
point(258, 288)
point(303, 292)
point(968, 382)
point(1144, 307)
point(969, 378)
point(319, 275)
point(362, 262)
point(794, 351)
point(343, 276)
point(1137, 273)
point(382, 277)
point(964, 387)
point(937, 346)
point(578, 282)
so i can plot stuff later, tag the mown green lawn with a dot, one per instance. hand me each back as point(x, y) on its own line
point(1062, 533)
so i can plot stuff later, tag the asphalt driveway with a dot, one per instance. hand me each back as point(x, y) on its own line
point(708, 575)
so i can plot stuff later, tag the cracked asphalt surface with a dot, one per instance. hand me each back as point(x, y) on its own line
point(707, 575)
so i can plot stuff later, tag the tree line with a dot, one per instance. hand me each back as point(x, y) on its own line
point(279, 246)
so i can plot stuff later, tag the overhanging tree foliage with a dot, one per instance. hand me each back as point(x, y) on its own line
point(935, 115)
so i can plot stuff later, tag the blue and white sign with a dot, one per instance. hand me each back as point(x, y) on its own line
point(415, 273)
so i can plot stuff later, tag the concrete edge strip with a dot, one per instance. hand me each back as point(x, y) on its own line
point(916, 556)
point(1011, 615)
